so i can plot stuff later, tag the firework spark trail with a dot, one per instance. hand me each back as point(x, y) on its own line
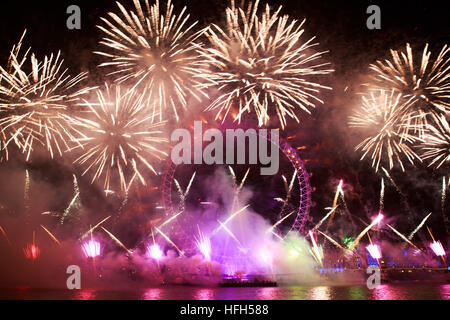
point(436, 144)
point(116, 240)
point(204, 245)
point(26, 191)
point(419, 226)
point(5, 235)
point(184, 194)
point(224, 227)
point(370, 226)
point(315, 251)
point(279, 221)
point(35, 107)
point(383, 124)
point(231, 217)
point(415, 77)
point(401, 236)
point(155, 51)
point(335, 200)
point(347, 251)
point(170, 241)
point(95, 227)
point(324, 218)
point(75, 200)
point(444, 215)
point(51, 235)
point(170, 219)
point(402, 195)
point(288, 189)
point(261, 64)
point(119, 137)
point(382, 196)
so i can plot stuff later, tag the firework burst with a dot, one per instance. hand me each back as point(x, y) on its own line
point(387, 137)
point(156, 51)
point(35, 104)
point(261, 64)
point(437, 143)
point(118, 136)
point(427, 81)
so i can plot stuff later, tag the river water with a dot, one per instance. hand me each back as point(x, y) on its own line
point(409, 291)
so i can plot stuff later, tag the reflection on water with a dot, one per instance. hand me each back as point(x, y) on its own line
point(152, 294)
point(319, 293)
point(204, 294)
point(383, 292)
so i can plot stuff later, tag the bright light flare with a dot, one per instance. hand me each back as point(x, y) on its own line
point(91, 248)
point(374, 251)
point(155, 252)
point(437, 248)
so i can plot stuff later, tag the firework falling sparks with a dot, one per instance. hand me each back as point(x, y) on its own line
point(437, 248)
point(32, 251)
point(155, 252)
point(91, 248)
point(156, 51)
point(119, 138)
point(387, 138)
point(35, 103)
point(420, 78)
point(437, 143)
point(374, 251)
point(261, 64)
point(204, 245)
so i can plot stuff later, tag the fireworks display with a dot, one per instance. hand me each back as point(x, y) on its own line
point(387, 138)
point(260, 63)
point(420, 78)
point(155, 50)
point(437, 143)
point(257, 230)
point(118, 137)
point(36, 98)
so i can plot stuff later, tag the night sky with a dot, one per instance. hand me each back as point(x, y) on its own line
point(340, 27)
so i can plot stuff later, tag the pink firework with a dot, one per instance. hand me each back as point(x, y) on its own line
point(204, 245)
point(31, 251)
point(154, 252)
point(437, 248)
point(91, 248)
point(374, 251)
